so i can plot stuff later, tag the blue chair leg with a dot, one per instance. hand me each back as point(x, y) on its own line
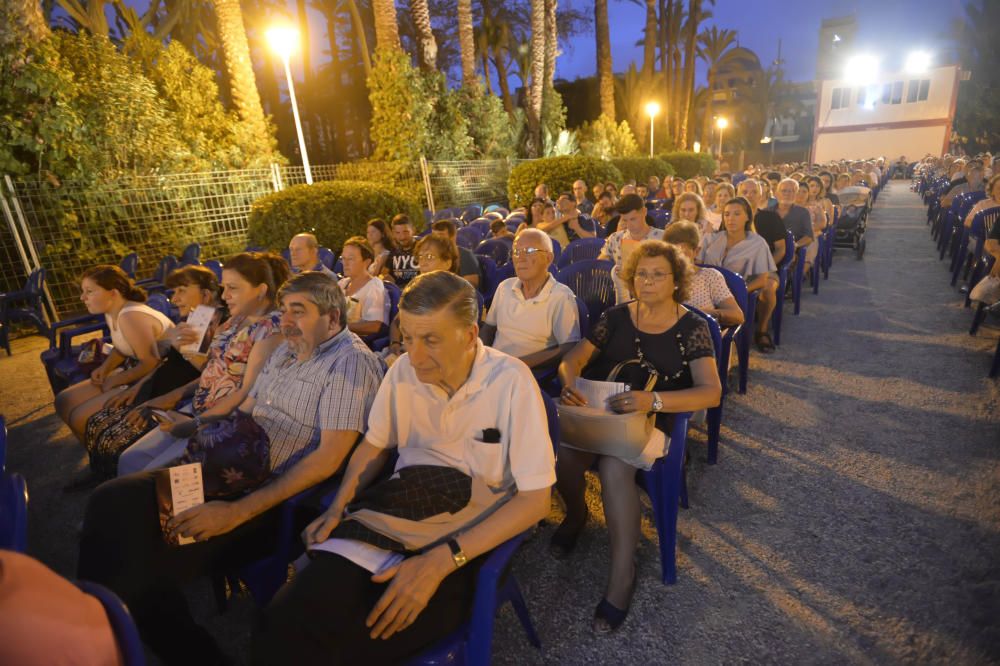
point(995, 368)
point(714, 423)
point(512, 592)
point(797, 282)
point(778, 311)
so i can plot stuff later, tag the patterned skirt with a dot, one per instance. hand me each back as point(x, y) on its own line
point(108, 434)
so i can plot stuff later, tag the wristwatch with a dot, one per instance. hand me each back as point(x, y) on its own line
point(657, 403)
point(457, 554)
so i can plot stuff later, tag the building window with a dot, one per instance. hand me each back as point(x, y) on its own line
point(861, 96)
point(886, 93)
point(925, 87)
point(835, 102)
point(897, 92)
point(911, 91)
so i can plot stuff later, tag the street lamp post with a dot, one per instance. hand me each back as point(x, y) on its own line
point(652, 108)
point(283, 41)
point(722, 124)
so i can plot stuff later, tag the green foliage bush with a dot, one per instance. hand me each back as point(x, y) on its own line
point(689, 164)
point(602, 138)
point(640, 169)
point(558, 173)
point(333, 210)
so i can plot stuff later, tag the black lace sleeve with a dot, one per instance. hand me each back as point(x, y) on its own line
point(697, 339)
point(603, 331)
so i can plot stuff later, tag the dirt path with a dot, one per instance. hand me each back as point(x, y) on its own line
point(854, 515)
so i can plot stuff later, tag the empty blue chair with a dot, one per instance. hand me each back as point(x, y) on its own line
point(3, 443)
point(24, 305)
point(13, 512)
point(581, 249)
point(496, 249)
point(471, 212)
point(468, 237)
point(122, 624)
point(167, 265)
point(664, 482)
point(591, 281)
point(130, 264)
point(472, 644)
point(443, 214)
point(215, 266)
point(191, 255)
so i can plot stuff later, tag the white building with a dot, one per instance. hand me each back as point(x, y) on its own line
point(898, 114)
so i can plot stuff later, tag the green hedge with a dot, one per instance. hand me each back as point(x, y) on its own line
point(558, 173)
point(640, 169)
point(689, 164)
point(334, 211)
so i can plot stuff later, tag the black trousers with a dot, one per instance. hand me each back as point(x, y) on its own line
point(122, 548)
point(319, 617)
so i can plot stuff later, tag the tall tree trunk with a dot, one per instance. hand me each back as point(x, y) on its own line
point(360, 36)
point(486, 71)
point(21, 23)
point(236, 51)
point(467, 44)
point(706, 123)
point(694, 17)
point(649, 42)
point(605, 73)
point(501, 64)
point(537, 77)
point(551, 42)
point(426, 44)
point(662, 40)
point(386, 27)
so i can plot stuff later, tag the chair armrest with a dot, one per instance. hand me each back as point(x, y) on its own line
point(72, 321)
point(66, 337)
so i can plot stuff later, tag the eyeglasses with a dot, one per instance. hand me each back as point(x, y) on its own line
point(528, 252)
point(425, 257)
point(652, 278)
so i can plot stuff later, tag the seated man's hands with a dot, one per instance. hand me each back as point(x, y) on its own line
point(319, 530)
point(206, 521)
point(413, 582)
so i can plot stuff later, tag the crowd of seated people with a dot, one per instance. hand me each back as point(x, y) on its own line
point(290, 363)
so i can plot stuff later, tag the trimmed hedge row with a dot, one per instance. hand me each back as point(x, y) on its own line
point(558, 173)
point(333, 210)
point(689, 164)
point(640, 169)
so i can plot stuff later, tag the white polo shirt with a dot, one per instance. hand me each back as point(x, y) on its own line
point(525, 326)
point(370, 303)
point(430, 429)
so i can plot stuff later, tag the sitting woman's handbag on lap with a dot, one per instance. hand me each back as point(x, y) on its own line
point(235, 455)
point(596, 430)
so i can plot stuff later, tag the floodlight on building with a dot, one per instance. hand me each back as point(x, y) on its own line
point(861, 70)
point(918, 62)
point(766, 139)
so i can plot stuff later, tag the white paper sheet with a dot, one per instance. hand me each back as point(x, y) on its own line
point(597, 393)
point(199, 320)
point(183, 489)
point(372, 558)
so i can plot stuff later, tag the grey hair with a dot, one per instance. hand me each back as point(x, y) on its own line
point(542, 237)
point(322, 289)
point(787, 180)
point(750, 182)
point(311, 241)
point(432, 292)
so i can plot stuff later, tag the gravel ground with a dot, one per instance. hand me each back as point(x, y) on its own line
point(854, 515)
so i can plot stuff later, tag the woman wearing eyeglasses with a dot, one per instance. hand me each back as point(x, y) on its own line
point(662, 334)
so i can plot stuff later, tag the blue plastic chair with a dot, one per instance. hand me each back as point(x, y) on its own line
point(742, 335)
point(161, 304)
point(3, 443)
point(982, 268)
point(797, 279)
point(122, 624)
point(191, 255)
point(167, 265)
point(548, 378)
point(472, 644)
point(714, 414)
point(556, 251)
point(664, 483)
point(24, 305)
point(488, 279)
point(959, 258)
point(327, 257)
point(482, 225)
point(496, 249)
point(591, 281)
point(13, 512)
point(468, 237)
point(130, 264)
point(394, 293)
point(60, 359)
point(215, 266)
point(982, 224)
point(779, 309)
point(286, 254)
point(471, 212)
point(581, 249)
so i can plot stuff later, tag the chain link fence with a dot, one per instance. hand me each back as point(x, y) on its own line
point(71, 226)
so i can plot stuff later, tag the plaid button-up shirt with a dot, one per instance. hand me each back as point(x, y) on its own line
point(332, 390)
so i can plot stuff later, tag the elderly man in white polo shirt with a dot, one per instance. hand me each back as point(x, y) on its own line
point(533, 317)
point(460, 415)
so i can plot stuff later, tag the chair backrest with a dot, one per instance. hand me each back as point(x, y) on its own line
point(286, 254)
point(497, 208)
point(488, 277)
point(13, 512)
point(967, 200)
point(581, 249)
point(483, 225)
point(3, 443)
point(496, 249)
point(468, 237)
point(443, 214)
point(512, 225)
point(36, 282)
point(159, 302)
point(716, 332)
point(253, 248)
point(789, 251)
point(737, 286)
point(988, 218)
point(166, 266)
point(191, 255)
point(122, 624)
point(215, 266)
point(327, 257)
point(471, 212)
point(591, 281)
point(556, 251)
point(129, 264)
point(583, 315)
point(392, 303)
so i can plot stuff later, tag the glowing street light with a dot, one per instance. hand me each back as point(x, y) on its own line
point(861, 70)
point(652, 108)
point(722, 124)
point(284, 41)
point(918, 62)
point(697, 146)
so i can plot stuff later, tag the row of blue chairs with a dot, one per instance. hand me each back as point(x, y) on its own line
point(963, 246)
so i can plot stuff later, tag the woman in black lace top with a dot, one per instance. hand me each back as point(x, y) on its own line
point(657, 329)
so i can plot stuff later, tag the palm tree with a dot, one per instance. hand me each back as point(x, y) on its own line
point(386, 28)
point(687, 79)
point(426, 44)
point(649, 41)
point(537, 61)
point(21, 23)
point(242, 84)
point(605, 73)
point(551, 42)
point(713, 48)
point(466, 42)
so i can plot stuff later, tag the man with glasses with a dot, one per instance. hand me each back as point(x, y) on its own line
point(533, 317)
